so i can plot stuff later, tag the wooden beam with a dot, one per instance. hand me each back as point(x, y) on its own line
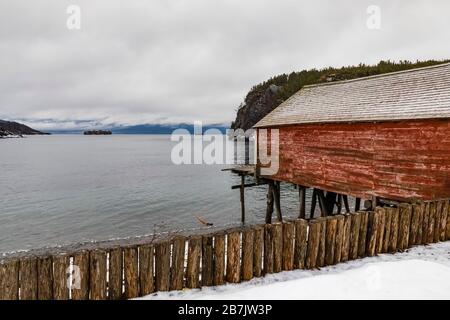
point(242, 198)
point(339, 204)
point(322, 203)
point(357, 204)
point(302, 200)
point(347, 207)
point(313, 203)
point(276, 196)
point(330, 201)
point(269, 211)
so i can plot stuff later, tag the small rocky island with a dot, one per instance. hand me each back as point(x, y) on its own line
point(97, 133)
point(9, 129)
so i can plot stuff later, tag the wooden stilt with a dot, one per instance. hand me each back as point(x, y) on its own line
point(276, 196)
point(357, 204)
point(313, 203)
point(322, 203)
point(302, 200)
point(339, 204)
point(330, 202)
point(242, 198)
point(347, 207)
point(269, 211)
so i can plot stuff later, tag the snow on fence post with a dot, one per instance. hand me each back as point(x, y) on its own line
point(28, 278)
point(178, 255)
point(330, 240)
point(248, 239)
point(258, 249)
point(193, 263)
point(115, 281)
point(98, 285)
point(207, 260)
point(9, 280)
point(313, 244)
point(80, 291)
point(60, 264)
point(364, 220)
point(233, 257)
point(354, 235)
point(219, 259)
point(162, 266)
point(288, 245)
point(301, 233)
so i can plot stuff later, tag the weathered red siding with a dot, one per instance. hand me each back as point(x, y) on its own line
point(395, 160)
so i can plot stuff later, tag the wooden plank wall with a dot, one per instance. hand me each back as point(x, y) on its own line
point(227, 256)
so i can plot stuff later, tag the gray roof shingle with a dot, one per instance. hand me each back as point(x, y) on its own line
point(422, 93)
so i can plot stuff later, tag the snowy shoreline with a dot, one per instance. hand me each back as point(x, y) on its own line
point(421, 272)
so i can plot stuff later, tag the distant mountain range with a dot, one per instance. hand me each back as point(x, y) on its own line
point(9, 128)
point(150, 129)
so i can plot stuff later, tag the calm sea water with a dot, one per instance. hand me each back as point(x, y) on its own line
point(65, 189)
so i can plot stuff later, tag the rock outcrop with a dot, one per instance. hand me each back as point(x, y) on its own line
point(9, 128)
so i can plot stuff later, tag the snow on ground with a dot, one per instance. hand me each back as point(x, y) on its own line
point(420, 273)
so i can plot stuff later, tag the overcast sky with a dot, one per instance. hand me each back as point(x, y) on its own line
point(168, 61)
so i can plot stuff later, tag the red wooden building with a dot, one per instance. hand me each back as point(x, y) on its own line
point(380, 137)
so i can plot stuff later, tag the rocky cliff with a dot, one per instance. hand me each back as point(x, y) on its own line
point(8, 128)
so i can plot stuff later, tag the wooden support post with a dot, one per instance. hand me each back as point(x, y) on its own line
point(269, 211)
point(413, 232)
point(219, 259)
point(193, 263)
point(313, 244)
point(339, 238)
point(146, 272)
point(322, 241)
point(97, 269)
point(302, 201)
point(207, 261)
point(380, 230)
point(322, 203)
point(28, 279)
point(448, 222)
point(258, 249)
point(393, 237)
point(346, 205)
point(346, 238)
point(233, 257)
point(248, 240)
point(313, 203)
point(45, 278)
point(301, 231)
point(444, 221)
point(115, 283)
point(9, 280)
point(278, 247)
point(357, 204)
point(425, 221)
point(178, 254)
point(419, 237)
point(288, 246)
point(404, 225)
point(372, 228)
point(354, 235)
point(80, 290)
point(60, 277)
point(339, 204)
point(364, 222)
point(162, 266)
point(131, 275)
point(242, 198)
point(431, 221)
point(330, 240)
point(437, 219)
point(277, 201)
point(268, 248)
point(387, 228)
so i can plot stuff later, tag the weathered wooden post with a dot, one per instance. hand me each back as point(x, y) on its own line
point(61, 264)
point(364, 221)
point(207, 261)
point(177, 272)
point(9, 280)
point(248, 240)
point(301, 232)
point(81, 265)
point(28, 279)
point(193, 263)
point(346, 238)
point(354, 235)
point(162, 266)
point(97, 268)
point(219, 259)
point(339, 238)
point(45, 278)
point(268, 248)
point(288, 245)
point(313, 244)
point(233, 257)
point(330, 240)
point(302, 201)
point(131, 275)
point(146, 272)
point(258, 249)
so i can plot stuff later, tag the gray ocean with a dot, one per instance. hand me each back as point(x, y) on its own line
point(66, 189)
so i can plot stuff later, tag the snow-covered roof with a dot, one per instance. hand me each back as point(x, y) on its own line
point(422, 93)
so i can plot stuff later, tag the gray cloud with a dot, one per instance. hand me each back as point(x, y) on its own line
point(170, 61)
